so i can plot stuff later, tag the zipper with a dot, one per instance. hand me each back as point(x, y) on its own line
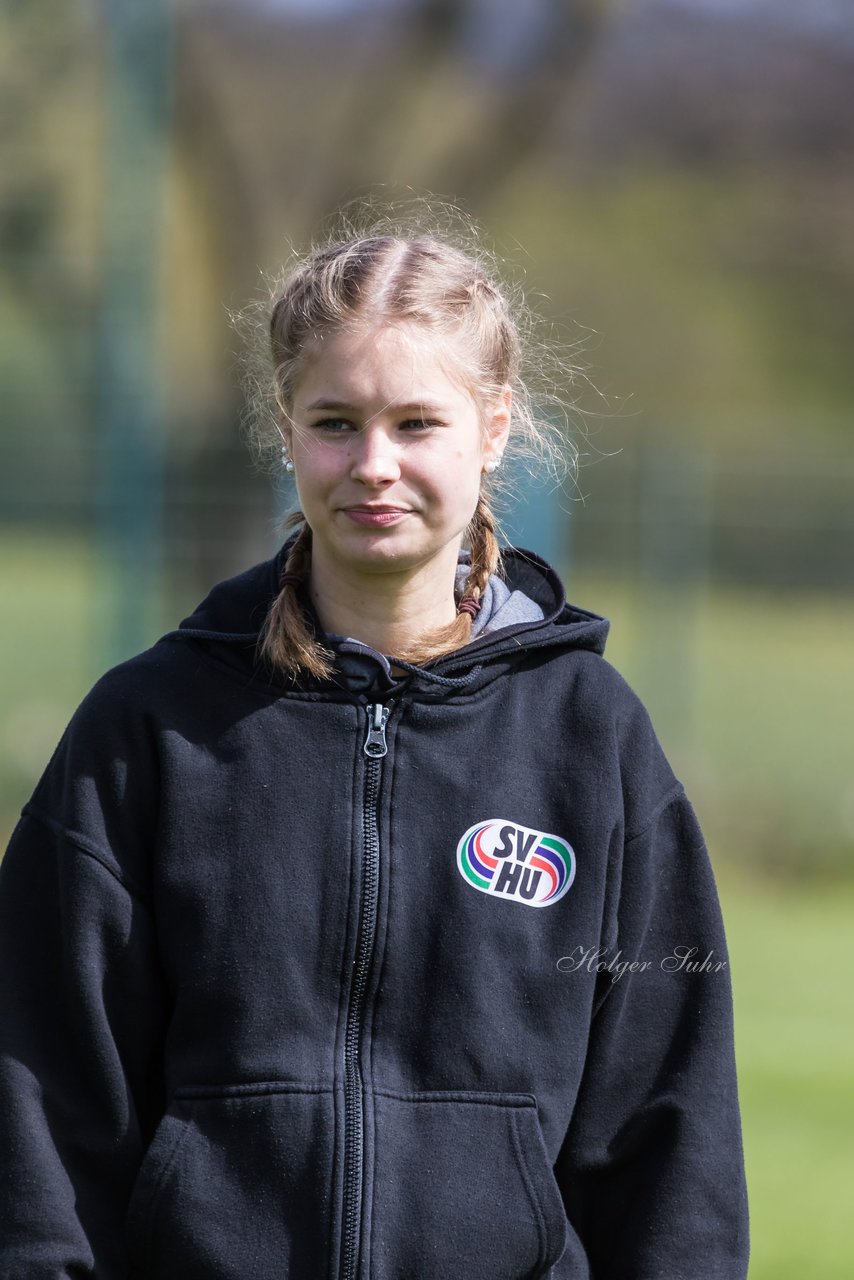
point(375, 744)
point(374, 747)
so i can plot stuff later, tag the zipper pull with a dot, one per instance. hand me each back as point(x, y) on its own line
point(375, 743)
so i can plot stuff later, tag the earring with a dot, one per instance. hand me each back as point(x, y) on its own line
point(494, 463)
point(286, 461)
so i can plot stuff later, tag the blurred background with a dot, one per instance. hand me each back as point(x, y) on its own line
point(673, 180)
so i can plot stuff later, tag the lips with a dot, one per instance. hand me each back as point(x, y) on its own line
point(376, 516)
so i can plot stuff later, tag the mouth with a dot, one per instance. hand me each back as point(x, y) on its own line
point(376, 516)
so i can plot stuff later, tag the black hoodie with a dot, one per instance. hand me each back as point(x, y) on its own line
point(416, 978)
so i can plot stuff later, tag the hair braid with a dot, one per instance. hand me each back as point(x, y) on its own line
point(485, 554)
point(485, 560)
point(286, 640)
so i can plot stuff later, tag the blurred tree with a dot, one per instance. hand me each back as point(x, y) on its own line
point(280, 125)
point(43, 361)
point(528, 101)
point(521, 102)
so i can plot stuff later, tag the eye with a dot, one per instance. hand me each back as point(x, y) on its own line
point(333, 426)
point(419, 425)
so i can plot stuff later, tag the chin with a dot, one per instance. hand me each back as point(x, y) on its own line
point(379, 554)
point(388, 558)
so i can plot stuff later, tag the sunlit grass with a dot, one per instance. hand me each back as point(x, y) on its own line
point(749, 692)
point(55, 597)
point(46, 587)
point(793, 975)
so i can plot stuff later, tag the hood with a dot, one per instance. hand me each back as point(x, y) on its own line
point(230, 617)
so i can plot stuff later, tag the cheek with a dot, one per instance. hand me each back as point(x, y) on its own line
point(458, 484)
point(312, 488)
point(316, 468)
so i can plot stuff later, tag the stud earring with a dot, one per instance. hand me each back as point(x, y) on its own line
point(493, 464)
point(286, 461)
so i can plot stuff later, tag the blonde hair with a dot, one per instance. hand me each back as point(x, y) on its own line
point(391, 277)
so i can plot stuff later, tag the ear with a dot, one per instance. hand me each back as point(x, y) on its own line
point(498, 425)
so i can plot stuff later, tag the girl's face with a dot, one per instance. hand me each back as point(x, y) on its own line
point(388, 453)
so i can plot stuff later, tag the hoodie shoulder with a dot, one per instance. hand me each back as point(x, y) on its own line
point(131, 703)
point(100, 789)
point(610, 716)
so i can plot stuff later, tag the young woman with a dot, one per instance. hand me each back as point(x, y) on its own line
point(359, 927)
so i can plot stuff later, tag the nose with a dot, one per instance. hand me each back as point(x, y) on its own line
point(374, 457)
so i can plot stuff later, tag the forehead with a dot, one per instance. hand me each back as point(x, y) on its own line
point(372, 368)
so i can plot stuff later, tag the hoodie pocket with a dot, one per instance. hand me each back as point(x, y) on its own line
point(463, 1187)
point(235, 1183)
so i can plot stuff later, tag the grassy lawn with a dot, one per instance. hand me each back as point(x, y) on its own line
point(53, 646)
point(46, 587)
point(752, 713)
point(750, 693)
point(793, 975)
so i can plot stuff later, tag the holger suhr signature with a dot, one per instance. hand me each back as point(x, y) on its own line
point(601, 960)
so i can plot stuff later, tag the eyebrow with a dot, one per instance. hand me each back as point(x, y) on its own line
point(419, 406)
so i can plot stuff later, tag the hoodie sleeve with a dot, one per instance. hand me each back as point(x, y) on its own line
point(80, 1014)
point(652, 1168)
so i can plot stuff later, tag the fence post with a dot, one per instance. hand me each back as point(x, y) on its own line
point(674, 514)
point(128, 409)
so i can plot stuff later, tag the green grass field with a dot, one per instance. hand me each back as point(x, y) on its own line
point(793, 975)
point(754, 717)
point(750, 691)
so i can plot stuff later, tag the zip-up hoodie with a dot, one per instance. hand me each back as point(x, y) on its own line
point(417, 978)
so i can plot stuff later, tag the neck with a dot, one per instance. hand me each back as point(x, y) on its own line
point(391, 612)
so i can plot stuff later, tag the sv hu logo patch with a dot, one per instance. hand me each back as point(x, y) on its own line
point(515, 862)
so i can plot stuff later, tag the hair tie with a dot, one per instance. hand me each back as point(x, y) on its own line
point(290, 580)
point(469, 605)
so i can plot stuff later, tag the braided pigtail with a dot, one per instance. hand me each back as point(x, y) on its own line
point(286, 640)
point(485, 560)
point(485, 555)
